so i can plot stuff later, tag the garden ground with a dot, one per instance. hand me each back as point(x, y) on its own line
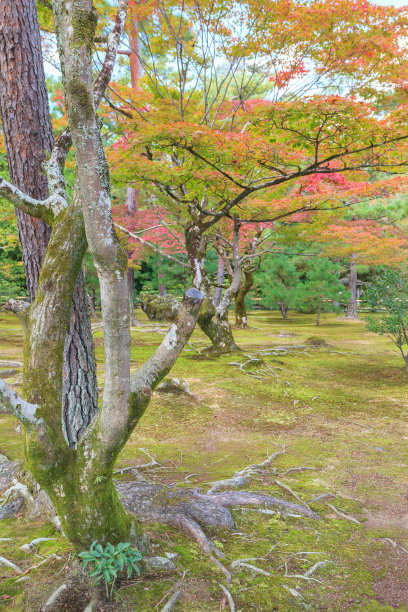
point(337, 404)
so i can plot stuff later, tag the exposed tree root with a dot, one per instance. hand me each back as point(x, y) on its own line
point(193, 512)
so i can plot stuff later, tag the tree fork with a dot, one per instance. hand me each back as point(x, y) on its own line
point(28, 134)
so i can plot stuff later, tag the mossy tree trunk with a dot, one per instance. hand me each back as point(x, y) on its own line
point(212, 318)
point(28, 136)
point(216, 328)
point(79, 480)
point(241, 318)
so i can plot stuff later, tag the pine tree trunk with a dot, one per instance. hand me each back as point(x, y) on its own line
point(352, 310)
point(28, 135)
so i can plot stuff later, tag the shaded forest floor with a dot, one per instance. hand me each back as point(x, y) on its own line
point(340, 409)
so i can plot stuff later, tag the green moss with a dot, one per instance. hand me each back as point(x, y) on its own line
point(84, 26)
point(343, 412)
point(81, 102)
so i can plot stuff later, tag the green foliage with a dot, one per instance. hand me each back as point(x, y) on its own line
point(107, 563)
point(12, 280)
point(321, 287)
point(278, 279)
point(155, 270)
point(388, 294)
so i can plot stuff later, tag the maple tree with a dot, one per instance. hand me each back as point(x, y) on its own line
point(201, 141)
point(236, 148)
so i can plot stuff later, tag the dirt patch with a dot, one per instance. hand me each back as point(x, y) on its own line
point(395, 517)
point(390, 570)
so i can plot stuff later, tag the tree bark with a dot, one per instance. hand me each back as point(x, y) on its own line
point(217, 328)
point(241, 318)
point(28, 135)
point(161, 279)
point(352, 309)
point(220, 281)
point(132, 196)
point(319, 309)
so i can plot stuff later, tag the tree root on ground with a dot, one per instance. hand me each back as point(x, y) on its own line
point(192, 511)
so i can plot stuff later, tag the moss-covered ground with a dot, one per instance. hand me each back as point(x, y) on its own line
point(339, 408)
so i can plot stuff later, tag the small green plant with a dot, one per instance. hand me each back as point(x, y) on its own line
point(388, 295)
point(106, 563)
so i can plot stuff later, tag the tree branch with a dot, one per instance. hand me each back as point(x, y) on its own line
point(44, 210)
point(12, 403)
point(150, 245)
point(112, 45)
point(19, 308)
point(160, 363)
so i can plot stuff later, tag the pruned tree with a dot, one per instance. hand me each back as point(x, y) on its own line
point(278, 279)
point(321, 288)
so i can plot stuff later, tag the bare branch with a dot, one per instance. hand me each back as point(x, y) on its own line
point(152, 246)
point(12, 403)
point(113, 41)
point(18, 307)
point(45, 209)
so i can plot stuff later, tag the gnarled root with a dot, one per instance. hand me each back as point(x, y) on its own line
point(192, 511)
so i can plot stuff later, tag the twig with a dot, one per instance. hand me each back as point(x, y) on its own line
point(13, 566)
point(346, 516)
point(242, 477)
point(253, 568)
point(289, 490)
point(322, 496)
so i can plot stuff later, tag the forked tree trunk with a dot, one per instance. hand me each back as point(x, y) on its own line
point(352, 307)
point(216, 328)
point(241, 318)
point(28, 135)
point(79, 480)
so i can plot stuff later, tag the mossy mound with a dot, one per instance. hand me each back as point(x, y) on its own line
point(160, 308)
point(316, 341)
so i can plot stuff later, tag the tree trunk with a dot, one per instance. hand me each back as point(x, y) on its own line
point(28, 135)
point(352, 309)
point(319, 309)
point(241, 319)
point(160, 276)
point(131, 289)
point(132, 196)
point(218, 329)
point(284, 310)
point(220, 281)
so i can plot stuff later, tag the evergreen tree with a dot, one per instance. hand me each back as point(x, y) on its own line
point(277, 280)
point(320, 288)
